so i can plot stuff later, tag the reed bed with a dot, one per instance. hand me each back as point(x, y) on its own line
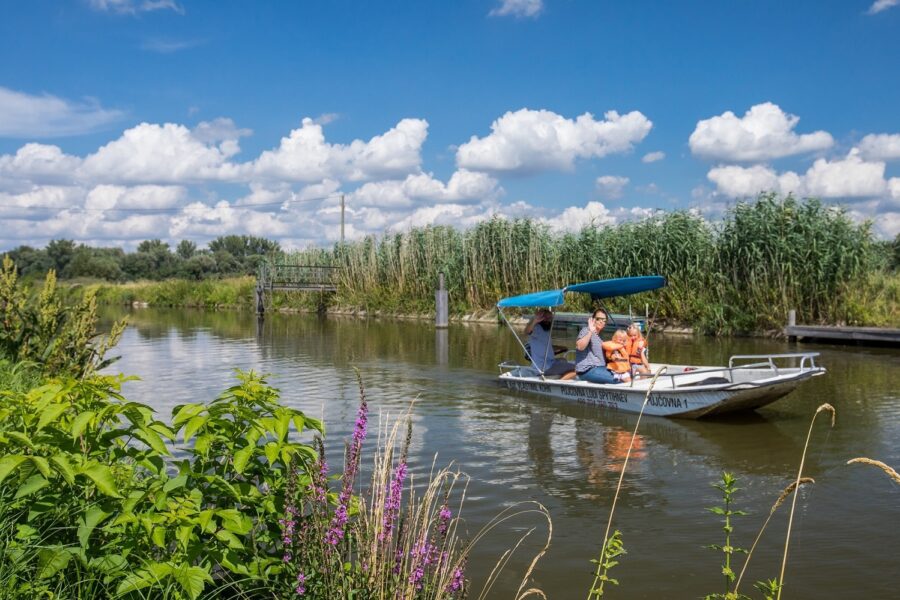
point(741, 274)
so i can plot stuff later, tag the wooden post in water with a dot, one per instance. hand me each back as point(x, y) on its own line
point(441, 305)
point(792, 322)
point(260, 305)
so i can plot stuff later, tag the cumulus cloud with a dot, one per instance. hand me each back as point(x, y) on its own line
point(463, 186)
point(882, 146)
point(304, 155)
point(169, 153)
point(521, 8)
point(23, 115)
point(38, 162)
point(881, 5)
point(652, 157)
point(154, 197)
point(527, 141)
point(765, 132)
point(846, 178)
point(611, 187)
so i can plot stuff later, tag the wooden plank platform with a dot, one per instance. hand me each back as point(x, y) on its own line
point(847, 334)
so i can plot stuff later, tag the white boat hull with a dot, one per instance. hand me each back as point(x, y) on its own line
point(683, 392)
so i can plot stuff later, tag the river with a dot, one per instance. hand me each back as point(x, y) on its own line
point(518, 447)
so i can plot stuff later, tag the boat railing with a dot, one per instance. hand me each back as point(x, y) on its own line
point(807, 363)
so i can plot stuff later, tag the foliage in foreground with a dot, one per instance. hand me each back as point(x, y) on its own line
point(44, 332)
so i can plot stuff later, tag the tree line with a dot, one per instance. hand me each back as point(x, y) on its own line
point(225, 256)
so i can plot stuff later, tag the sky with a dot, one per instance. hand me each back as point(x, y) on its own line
point(126, 120)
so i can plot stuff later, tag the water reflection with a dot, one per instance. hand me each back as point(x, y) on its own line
point(520, 447)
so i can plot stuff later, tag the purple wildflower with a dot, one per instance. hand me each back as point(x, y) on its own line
point(458, 581)
point(301, 584)
point(392, 502)
point(444, 519)
point(336, 531)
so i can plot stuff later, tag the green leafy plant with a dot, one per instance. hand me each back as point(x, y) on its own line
point(614, 549)
point(60, 339)
point(728, 488)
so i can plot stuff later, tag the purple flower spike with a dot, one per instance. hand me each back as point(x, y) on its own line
point(301, 584)
point(392, 502)
point(336, 531)
point(444, 519)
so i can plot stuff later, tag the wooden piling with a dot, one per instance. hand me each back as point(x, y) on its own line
point(792, 322)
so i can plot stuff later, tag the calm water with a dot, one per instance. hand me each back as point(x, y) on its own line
point(519, 447)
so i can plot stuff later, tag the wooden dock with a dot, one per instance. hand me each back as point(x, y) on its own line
point(881, 336)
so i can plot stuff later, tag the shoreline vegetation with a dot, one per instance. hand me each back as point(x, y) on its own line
point(740, 275)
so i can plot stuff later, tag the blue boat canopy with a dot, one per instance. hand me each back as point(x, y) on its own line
point(605, 288)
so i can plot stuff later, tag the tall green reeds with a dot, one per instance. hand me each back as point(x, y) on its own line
point(743, 273)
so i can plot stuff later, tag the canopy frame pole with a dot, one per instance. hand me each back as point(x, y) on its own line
point(516, 335)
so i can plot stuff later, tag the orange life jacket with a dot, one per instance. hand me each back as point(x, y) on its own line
point(636, 348)
point(616, 357)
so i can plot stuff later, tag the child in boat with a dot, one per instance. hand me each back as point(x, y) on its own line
point(617, 356)
point(636, 347)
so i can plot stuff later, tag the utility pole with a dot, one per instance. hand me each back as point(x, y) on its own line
point(342, 218)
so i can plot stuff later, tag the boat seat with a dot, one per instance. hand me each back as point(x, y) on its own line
point(707, 381)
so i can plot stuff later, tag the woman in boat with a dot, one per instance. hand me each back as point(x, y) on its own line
point(616, 355)
point(590, 362)
point(637, 350)
point(541, 350)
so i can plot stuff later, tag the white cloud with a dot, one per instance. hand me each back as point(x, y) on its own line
point(881, 5)
point(463, 186)
point(137, 197)
point(611, 187)
point(131, 7)
point(652, 157)
point(168, 153)
point(765, 132)
point(527, 141)
point(164, 46)
point(518, 8)
point(39, 162)
point(846, 178)
point(884, 146)
point(305, 155)
point(850, 177)
point(576, 218)
point(23, 115)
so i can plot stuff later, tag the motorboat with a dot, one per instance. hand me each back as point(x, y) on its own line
point(748, 382)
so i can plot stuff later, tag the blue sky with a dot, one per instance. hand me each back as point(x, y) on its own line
point(122, 120)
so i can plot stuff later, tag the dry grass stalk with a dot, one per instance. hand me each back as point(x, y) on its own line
point(784, 494)
point(612, 508)
point(876, 463)
point(787, 539)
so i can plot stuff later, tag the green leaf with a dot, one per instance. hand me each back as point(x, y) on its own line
point(103, 478)
point(10, 463)
point(33, 484)
point(109, 563)
point(159, 536)
point(186, 412)
point(63, 467)
point(298, 422)
point(51, 560)
point(191, 579)
point(50, 414)
point(229, 538)
point(20, 437)
point(40, 463)
point(152, 439)
point(175, 483)
point(93, 517)
point(241, 457)
point(193, 425)
point(282, 423)
point(271, 450)
point(80, 422)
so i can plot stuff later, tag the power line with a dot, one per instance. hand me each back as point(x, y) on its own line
point(171, 209)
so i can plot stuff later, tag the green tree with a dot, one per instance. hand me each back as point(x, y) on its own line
point(186, 249)
point(60, 252)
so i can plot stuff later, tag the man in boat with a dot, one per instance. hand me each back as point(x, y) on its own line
point(590, 360)
point(541, 350)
